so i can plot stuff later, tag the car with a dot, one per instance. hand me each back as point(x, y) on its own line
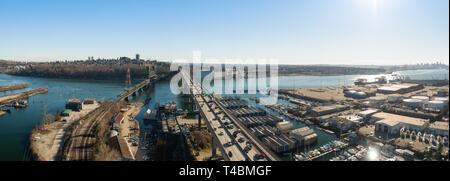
point(230, 154)
point(247, 148)
point(221, 133)
point(260, 156)
point(241, 139)
point(249, 142)
point(228, 144)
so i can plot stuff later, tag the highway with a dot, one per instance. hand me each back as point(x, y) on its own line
point(222, 128)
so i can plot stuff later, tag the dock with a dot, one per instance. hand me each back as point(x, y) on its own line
point(14, 97)
point(13, 87)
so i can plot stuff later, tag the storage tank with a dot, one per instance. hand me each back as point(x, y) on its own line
point(436, 105)
point(444, 99)
point(424, 99)
point(413, 103)
point(361, 95)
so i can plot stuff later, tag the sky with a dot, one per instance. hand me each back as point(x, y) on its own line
point(363, 32)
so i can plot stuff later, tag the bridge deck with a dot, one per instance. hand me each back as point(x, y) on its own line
point(216, 116)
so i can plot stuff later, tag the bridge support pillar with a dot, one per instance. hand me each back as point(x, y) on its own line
point(199, 121)
point(214, 147)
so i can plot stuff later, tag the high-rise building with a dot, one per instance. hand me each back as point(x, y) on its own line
point(138, 57)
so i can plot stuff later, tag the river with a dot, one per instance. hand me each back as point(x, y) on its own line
point(16, 126)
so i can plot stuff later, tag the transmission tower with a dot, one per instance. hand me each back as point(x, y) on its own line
point(128, 80)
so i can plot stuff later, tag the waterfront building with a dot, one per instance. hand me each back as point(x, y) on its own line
point(74, 105)
point(89, 101)
point(399, 88)
point(285, 126)
point(387, 126)
point(120, 144)
point(439, 128)
point(409, 123)
point(118, 118)
point(324, 110)
point(367, 113)
point(305, 136)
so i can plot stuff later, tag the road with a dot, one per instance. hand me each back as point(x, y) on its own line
point(216, 119)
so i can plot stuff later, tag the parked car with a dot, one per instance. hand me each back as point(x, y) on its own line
point(241, 139)
point(228, 144)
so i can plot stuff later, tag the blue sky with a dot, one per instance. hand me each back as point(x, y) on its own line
point(292, 31)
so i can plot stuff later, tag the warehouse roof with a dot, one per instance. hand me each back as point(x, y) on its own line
point(388, 122)
point(401, 119)
point(439, 125)
point(303, 131)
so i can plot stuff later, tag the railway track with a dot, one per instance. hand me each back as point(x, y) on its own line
point(83, 137)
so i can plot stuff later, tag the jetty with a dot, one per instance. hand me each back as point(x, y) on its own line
point(14, 97)
point(13, 87)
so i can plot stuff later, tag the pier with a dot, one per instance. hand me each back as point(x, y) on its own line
point(13, 87)
point(14, 97)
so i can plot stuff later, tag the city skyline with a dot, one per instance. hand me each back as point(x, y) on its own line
point(360, 32)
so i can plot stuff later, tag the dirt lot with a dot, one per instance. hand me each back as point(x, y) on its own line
point(52, 136)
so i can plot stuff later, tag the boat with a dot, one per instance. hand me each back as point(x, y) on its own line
point(6, 110)
point(20, 104)
point(150, 115)
point(308, 122)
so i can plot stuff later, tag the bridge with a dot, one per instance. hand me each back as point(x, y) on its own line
point(132, 91)
point(228, 134)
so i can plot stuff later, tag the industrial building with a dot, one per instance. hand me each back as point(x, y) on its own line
point(305, 136)
point(89, 101)
point(345, 123)
point(388, 126)
point(377, 101)
point(74, 105)
point(367, 113)
point(120, 144)
point(399, 88)
point(280, 144)
point(249, 111)
point(255, 121)
point(285, 126)
point(396, 98)
point(439, 128)
point(118, 118)
point(324, 110)
point(409, 123)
